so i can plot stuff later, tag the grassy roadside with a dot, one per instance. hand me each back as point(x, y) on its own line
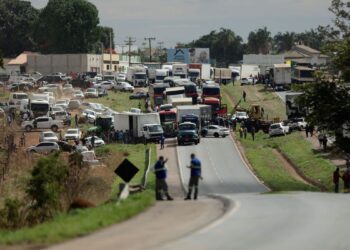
point(81, 222)
point(260, 152)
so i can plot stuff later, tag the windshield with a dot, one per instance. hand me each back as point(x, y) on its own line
point(160, 78)
point(140, 76)
point(211, 91)
point(20, 96)
point(187, 127)
point(241, 114)
point(39, 107)
point(158, 90)
point(193, 74)
point(70, 132)
point(155, 128)
point(167, 117)
point(190, 88)
point(49, 135)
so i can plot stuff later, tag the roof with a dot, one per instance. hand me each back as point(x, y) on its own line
point(21, 59)
point(307, 49)
point(304, 68)
point(294, 54)
point(282, 65)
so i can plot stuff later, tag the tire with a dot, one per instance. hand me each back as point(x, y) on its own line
point(223, 136)
point(32, 151)
point(54, 128)
point(216, 135)
point(28, 128)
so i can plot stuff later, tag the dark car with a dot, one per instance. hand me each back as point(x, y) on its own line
point(102, 92)
point(138, 95)
point(66, 147)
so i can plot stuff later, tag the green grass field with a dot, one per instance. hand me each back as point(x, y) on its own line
point(260, 152)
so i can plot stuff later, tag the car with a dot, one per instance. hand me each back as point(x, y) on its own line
point(98, 141)
point(78, 94)
point(44, 147)
point(56, 109)
point(215, 130)
point(102, 92)
point(48, 136)
point(138, 95)
point(296, 123)
point(2, 112)
point(68, 88)
point(106, 85)
point(121, 77)
point(124, 86)
point(279, 88)
point(72, 134)
point(278, 129)
point(66, 147)
point(5, 106)
point(239, 116)
point(91, 115)
point(91, 93)
point(62, 103)
point(246, 81)
point(187, 133)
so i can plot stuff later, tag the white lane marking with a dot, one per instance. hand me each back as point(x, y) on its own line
point(232, 210)
point(246, 165)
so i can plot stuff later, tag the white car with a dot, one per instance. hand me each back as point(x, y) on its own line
point(91, 93)
point(72, 134)
point(124, 86)
point(121, 77)
point(44, 148)
point(78, 94)
point(106, 84)
point(98, 141)
point(62, 103)
point(278, 129)
point(48, 136)
point(68, 88)
point(246, 81)
point(91, 115)
point(240, 116)
point(215, 130)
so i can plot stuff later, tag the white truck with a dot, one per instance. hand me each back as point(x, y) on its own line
point(161, 74)
point(38, 104)
point(187, 110)
point(180, 69)
point(43, 122)
point(141, 126)
point(222, 75)
point(249, 70)
point(282, 76)
point(137, 76)
point(198, 71)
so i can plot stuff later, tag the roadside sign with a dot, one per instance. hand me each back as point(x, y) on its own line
point(126, 170)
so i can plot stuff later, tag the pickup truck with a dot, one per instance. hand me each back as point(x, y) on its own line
point(42, 122)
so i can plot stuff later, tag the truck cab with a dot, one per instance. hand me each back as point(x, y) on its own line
point(187, 133)
point(152, 132)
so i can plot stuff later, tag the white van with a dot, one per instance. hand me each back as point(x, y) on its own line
point(16, 98)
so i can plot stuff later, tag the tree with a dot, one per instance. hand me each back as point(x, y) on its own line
point(283, 41)
point(329, 105)
point(67, 27)
point(259, 42)
point(17, 19)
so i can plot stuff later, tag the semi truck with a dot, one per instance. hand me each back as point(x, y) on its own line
point(156, 91)
point(161, 74)
point(137, 76)
point(140, 126)
point(222, 75)
point(198, 71)
point(168, 122)
point(282, 76)
point(180, 69)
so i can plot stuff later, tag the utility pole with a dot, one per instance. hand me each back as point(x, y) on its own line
point(150, 46)
point(110, 51)
point(129, 42)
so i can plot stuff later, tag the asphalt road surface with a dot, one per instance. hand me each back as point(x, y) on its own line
point(223, 170)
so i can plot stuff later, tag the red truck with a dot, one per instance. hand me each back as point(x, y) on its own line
point(168, 122)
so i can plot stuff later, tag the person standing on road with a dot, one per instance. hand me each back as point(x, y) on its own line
point(196, 174)
point(336, 177)
point(324, 142)
point(160, 171)
point(162, 140)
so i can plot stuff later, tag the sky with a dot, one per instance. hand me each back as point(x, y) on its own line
point(172, 21)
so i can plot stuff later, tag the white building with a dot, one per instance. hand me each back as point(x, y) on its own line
point(265, 62)
point(65, 63)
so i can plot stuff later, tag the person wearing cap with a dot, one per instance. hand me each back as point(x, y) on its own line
point(160, 171)
point(196, 174)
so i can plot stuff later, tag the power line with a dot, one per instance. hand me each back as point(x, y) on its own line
point(150, 46)
point(130, 42)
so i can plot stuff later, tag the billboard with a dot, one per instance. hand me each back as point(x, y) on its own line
point(189, 55)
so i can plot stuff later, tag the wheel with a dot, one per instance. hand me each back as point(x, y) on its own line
point(28, 128)
point(223, 136)
point(216, 135)
point(54, 128)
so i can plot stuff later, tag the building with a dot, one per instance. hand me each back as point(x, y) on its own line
point(305, 56)
point(110, 60)
point(124, 62)
point(65, 63)
point(265, 62)
point(19, 64)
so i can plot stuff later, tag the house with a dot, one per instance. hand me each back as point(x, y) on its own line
point(305, 56)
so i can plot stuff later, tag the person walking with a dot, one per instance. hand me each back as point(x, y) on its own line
point(245, 131)
point(162, 140)
point(244, 95)
point(196, 174)
point(76, 120)
point(324, 142)
point(346, 179)
point(241, 132)
point(336, 177)
point(253, 133)
point(160, 171)
point(307, 130)
point(93, 141)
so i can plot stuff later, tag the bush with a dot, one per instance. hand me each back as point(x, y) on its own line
point(11, 216)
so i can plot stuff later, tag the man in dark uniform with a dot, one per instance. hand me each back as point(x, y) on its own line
point(196, 174)
point(161, 174)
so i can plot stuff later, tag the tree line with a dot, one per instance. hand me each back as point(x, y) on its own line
point(62, 26)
